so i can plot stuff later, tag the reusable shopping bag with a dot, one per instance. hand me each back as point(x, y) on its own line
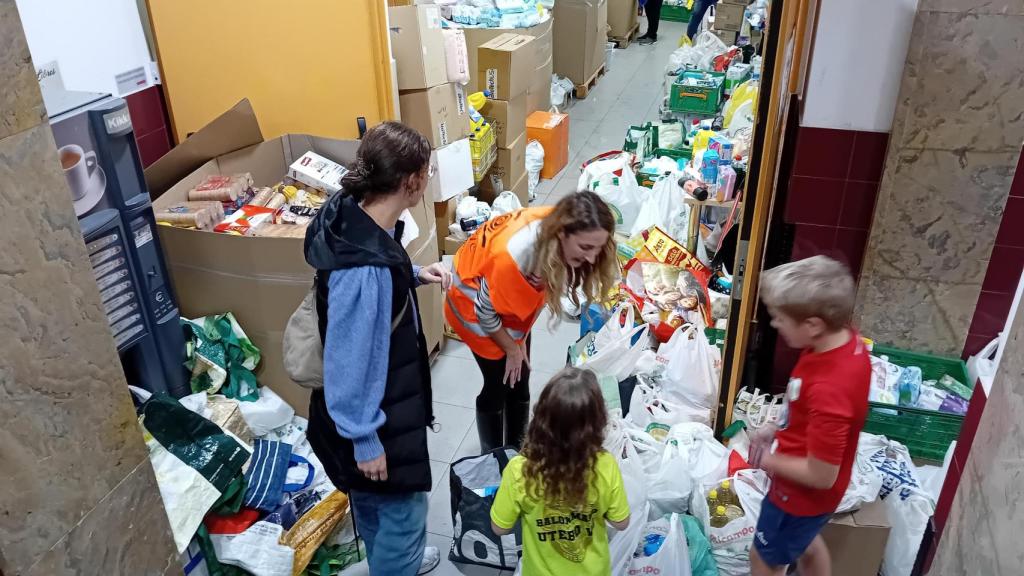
point(267, 473)
point(195, 462)
point(474, 483)
point(221, 357)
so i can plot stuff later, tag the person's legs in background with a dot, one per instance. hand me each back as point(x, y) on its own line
point(398, 531)
point(700, 8)
point(653, 12)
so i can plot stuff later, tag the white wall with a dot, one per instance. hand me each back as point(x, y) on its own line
point(92, 40)
point(859, 52)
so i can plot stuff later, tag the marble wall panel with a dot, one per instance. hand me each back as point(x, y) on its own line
point(955, 142)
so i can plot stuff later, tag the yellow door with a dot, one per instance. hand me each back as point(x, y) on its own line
point(309, 67)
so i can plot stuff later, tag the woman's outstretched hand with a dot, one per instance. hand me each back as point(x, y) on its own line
point(436, 273)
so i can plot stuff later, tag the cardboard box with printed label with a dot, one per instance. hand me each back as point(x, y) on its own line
point(507, 119)
point(261, 280)
point(505, 65)
point(552, 131)
point(729, 16)
point(439, 113)
point(506, 171)
point(856, 541)
point(453, 171)
point(418, 46)
point(581, 36)
point(476, 37)
point(622, 18)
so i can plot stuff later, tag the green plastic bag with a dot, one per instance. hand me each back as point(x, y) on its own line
point(702, 562)
point(221, 358)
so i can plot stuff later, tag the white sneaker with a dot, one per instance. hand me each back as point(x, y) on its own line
point(431, 558)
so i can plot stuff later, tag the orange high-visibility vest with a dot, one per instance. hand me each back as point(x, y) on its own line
point(517, 302)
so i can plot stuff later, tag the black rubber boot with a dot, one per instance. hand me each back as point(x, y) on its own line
point(517, 416)
point(490, 428)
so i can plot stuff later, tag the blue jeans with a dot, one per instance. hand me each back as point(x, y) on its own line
point(700, 8)
point(394, 530)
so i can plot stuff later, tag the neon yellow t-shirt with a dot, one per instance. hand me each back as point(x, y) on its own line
point(558, 541)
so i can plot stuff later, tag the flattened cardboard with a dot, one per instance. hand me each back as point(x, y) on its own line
point(418, 46)
point(729, 16)
point(508, 168)
point(856, 541)
point(507, 118)
point(505, 65)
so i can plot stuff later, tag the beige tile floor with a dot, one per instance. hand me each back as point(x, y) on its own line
point(628, 94)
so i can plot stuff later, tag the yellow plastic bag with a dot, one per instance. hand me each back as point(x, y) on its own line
point(746, 92)
point(313, 528)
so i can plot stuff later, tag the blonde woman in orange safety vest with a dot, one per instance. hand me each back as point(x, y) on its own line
point(504, 275)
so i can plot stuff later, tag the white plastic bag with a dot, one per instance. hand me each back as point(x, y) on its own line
point(909, 506)
point(671, 559)
point(256, 550)
point(865, 484)
point(983, 364)
point(622, 544)
point(663, 207)
point(731, 543)
point(534, 164)
point(506, 203)
point(614, 181)
point(690, 377)
point(456, 55)
point(669, 489)
point(616, 358)
point(267, 413)
point(705, 458)
point(656, 415)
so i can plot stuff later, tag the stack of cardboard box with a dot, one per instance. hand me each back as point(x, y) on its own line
point(729, 20)
point(505, 67)
point(538, 95)
point(581, 37)
point(623, 21)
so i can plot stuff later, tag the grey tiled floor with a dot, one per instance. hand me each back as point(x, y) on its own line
point(628, 94)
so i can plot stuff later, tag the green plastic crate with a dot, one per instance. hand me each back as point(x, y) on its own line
point(671, 13)
point(926, 433)
point(697, 99)
point(674, 153)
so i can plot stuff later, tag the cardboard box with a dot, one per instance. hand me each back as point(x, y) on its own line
point(452, 245)
point(726, 36)
point(436, 113)
point(522, 190)
point(444, 215)
point(622, 18)
point(580, 36)
point(507, 118)
point(453, 171)
point(505, 65)
point(476, 37)
point(856, 541)
point(261, 280)
point(539, 95)
point(319, 172)
point(507, 169)
point(418, 46)
point(729, 16)
point(552, 131)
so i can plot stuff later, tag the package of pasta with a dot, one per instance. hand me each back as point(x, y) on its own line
point(245, 220)
point(222, 188)
point(670, 283)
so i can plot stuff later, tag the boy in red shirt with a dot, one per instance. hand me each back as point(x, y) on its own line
point(811, 304)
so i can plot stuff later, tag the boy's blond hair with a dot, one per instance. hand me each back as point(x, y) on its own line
point(816, 287)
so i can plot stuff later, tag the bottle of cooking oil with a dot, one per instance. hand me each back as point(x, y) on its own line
point(727, 495)
point(719, 517)
point(713, 499)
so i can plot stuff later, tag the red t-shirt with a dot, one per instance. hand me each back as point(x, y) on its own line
point(826, 404)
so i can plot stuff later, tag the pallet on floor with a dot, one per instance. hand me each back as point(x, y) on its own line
point(583, 89)
point(623, 42)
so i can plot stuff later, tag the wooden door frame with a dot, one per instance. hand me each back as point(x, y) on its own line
point(787, 51)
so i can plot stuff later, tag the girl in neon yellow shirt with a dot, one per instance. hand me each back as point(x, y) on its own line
point(564, 486)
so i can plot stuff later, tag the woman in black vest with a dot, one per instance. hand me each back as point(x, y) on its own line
point(369, 424)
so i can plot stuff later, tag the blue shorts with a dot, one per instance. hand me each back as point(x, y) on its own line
point(782, 538)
